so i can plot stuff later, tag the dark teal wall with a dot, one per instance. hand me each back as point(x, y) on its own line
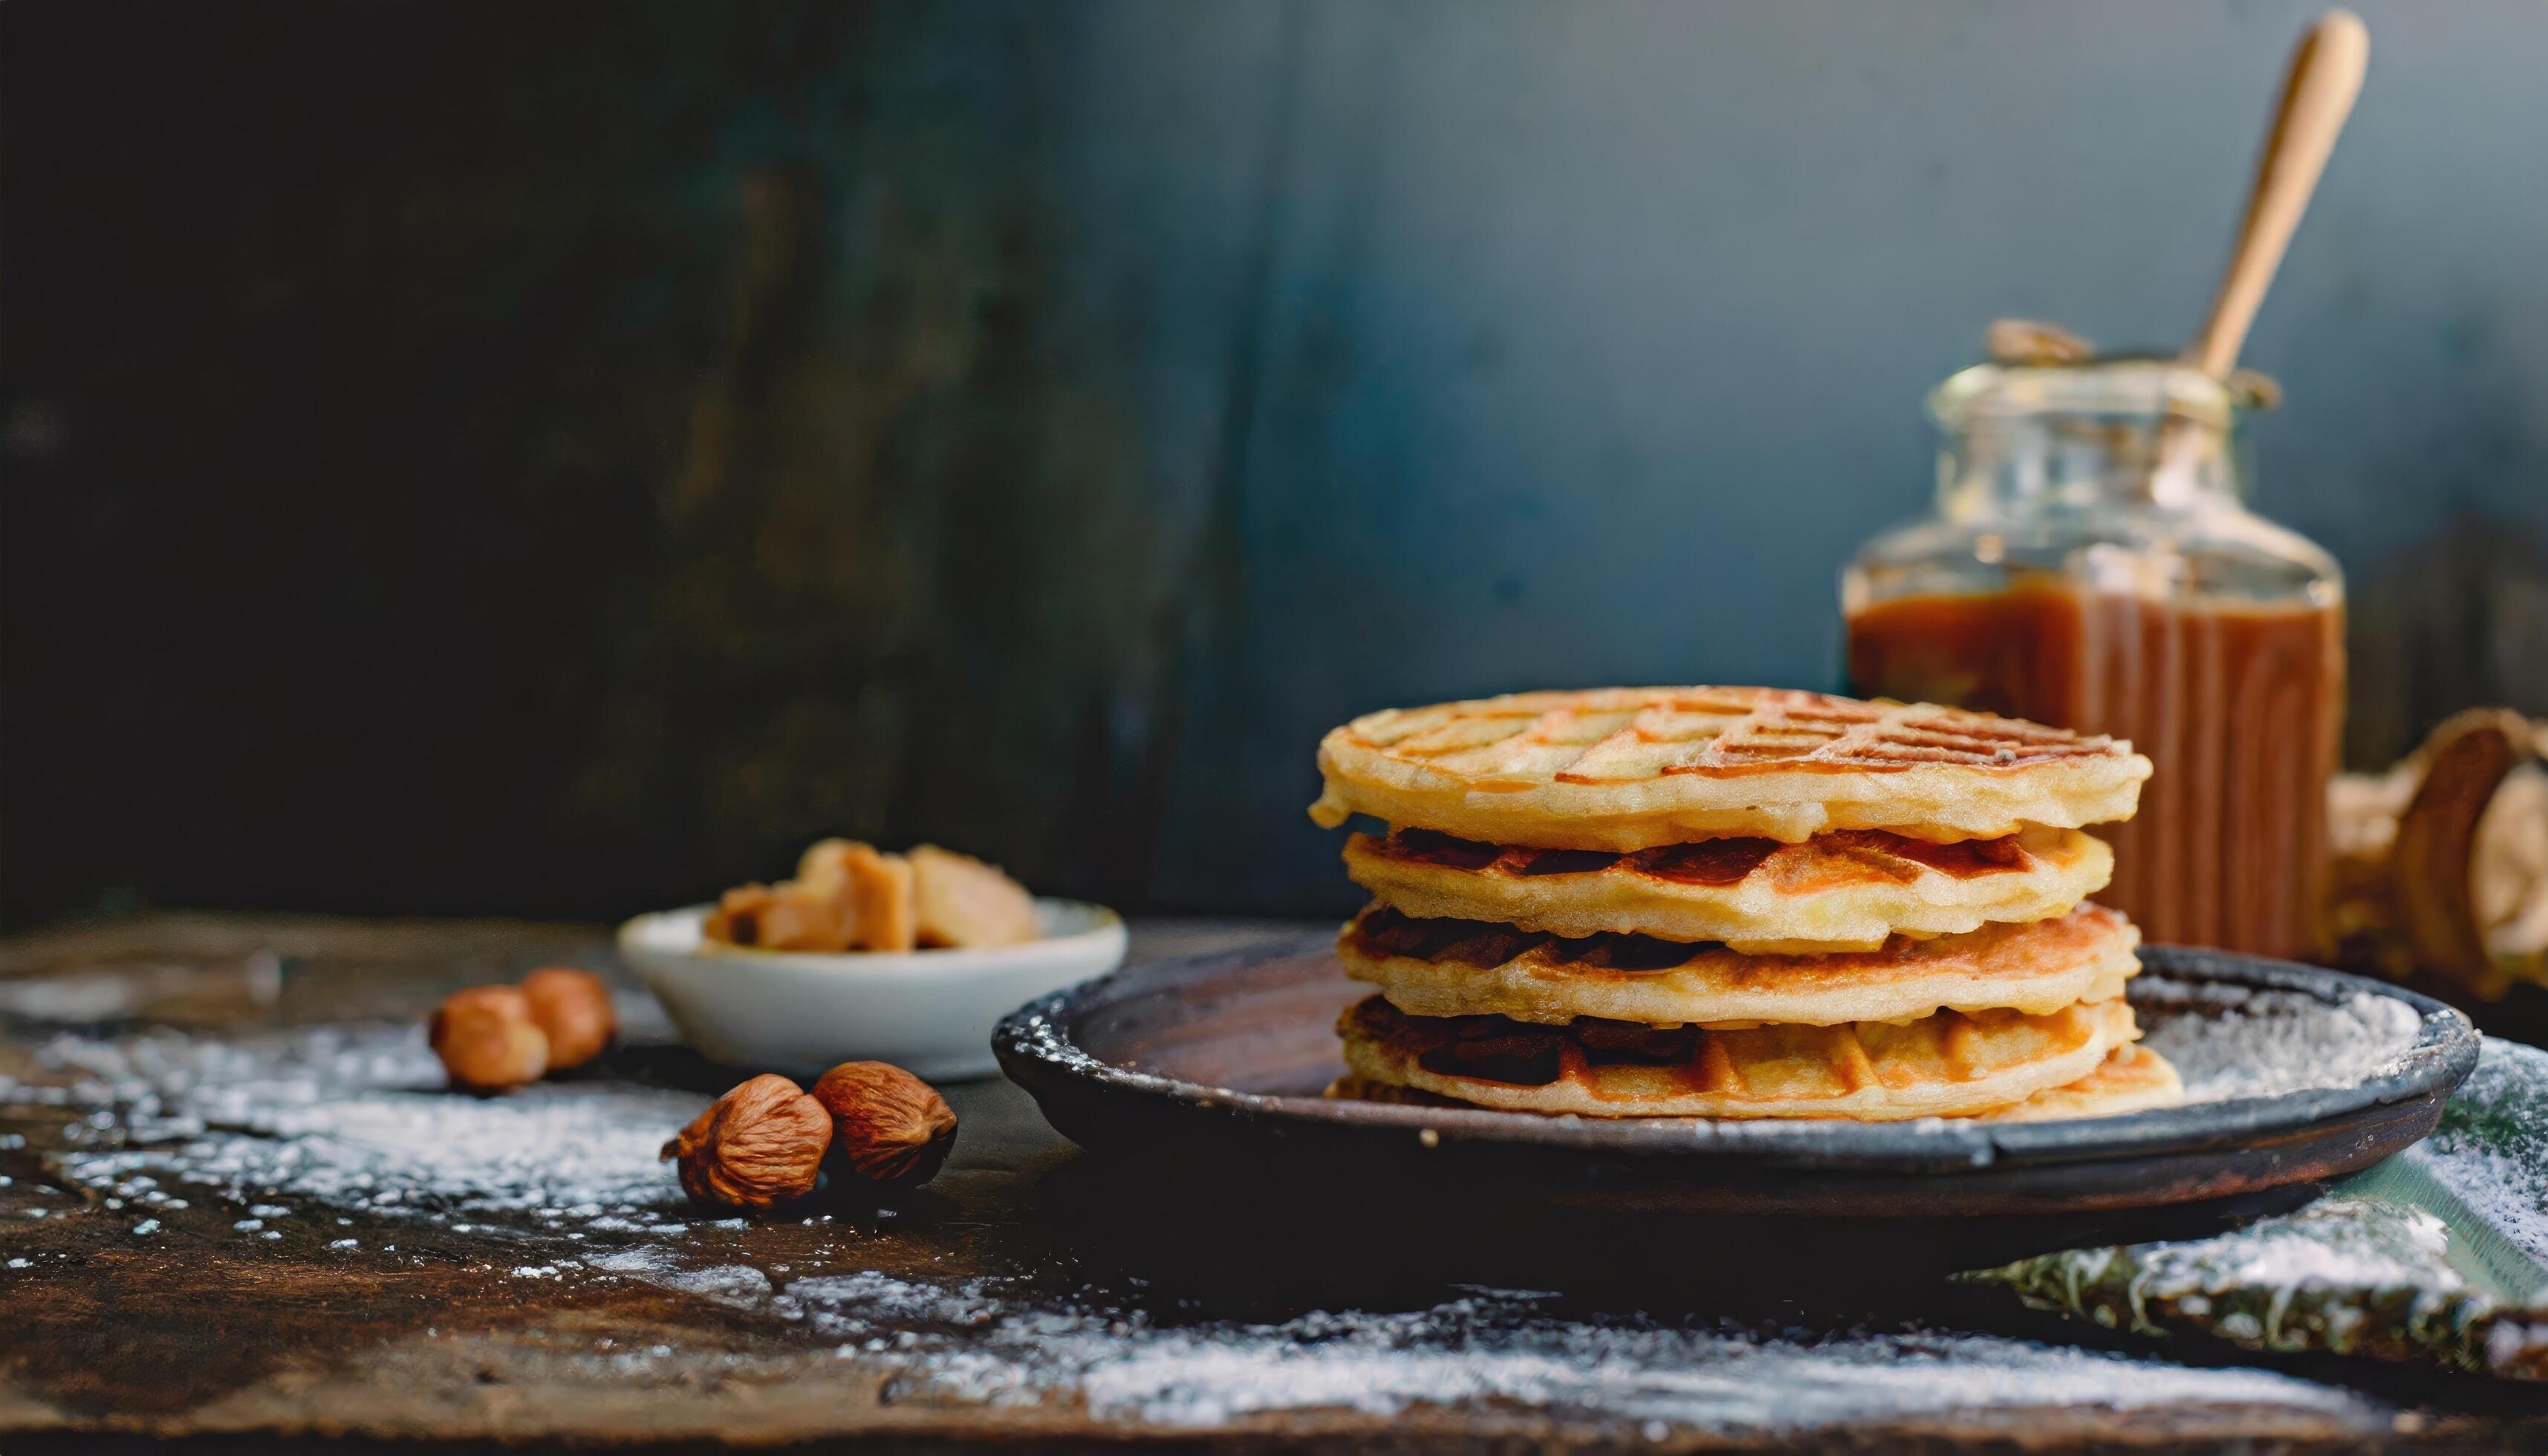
point(554, 459)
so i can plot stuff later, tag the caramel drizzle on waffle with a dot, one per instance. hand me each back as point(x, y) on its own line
point(1380, 930)
point(1852, 856)
point(1622, 736)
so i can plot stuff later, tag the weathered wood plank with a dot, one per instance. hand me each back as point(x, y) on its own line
point(323, 1250)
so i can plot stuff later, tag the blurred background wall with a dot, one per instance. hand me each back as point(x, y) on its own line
point(557, 459)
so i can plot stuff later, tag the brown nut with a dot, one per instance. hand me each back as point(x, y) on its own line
point(487, 1041)
point(891, 1129)
point(761, 1143)
point(574, 1008)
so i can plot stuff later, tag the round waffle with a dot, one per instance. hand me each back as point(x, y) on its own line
point(1846, 890)
point(1945, 1065)
point(2131, 1079)
point(1631, 767)
point(1468, 968)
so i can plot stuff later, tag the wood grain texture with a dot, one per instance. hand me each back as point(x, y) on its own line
point(203, 1333)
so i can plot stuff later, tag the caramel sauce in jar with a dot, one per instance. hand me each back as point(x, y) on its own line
point(2091, 563)
point(2238, 706)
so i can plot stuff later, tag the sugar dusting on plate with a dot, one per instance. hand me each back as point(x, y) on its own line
point(2245, 1042)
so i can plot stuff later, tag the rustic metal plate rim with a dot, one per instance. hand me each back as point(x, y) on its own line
point(1038, 1041)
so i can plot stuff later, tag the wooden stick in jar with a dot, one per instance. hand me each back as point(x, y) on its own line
point(2318, 95)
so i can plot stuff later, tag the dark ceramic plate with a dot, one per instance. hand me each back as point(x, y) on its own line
point(2293, 1073)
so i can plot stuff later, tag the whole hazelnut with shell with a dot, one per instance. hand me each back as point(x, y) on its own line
point(573, 1007)
point(488, 1040)
point(761, 1143)
point(890, 1127)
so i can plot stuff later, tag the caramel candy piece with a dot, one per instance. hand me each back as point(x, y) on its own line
point(784, 918)
point(849, 896)
point(872, 891)
point(961, 901)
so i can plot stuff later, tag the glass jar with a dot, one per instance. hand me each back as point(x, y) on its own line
point(2091, 563)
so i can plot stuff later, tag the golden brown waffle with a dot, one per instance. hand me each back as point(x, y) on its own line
point(1468, 968)
point(1632, 767)
point(1846, 890)
point(2131, 1079)
point(1945, 1065)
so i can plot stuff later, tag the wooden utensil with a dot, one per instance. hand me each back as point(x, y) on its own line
point(2318, 95)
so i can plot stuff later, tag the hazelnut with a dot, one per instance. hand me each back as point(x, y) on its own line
point(761, 1143)
point(891, 1129)
point(487, 1041)
point(574, 1008)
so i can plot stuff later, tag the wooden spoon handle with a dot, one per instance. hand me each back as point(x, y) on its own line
point(2318, 95)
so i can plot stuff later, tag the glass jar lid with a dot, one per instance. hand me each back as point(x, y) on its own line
point(2115, 388)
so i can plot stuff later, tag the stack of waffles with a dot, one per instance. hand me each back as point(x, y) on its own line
point(1737, 902)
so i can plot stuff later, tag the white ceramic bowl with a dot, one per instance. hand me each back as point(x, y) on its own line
point(801, 1011)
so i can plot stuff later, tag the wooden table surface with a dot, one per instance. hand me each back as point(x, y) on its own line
point(238, 1208)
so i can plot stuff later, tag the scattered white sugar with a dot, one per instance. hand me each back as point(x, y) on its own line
point(2491, 1148)
point(973, 1343)
point(851, 1304)
point(357, 1117)
point(645, 1258)
point(354, 1119)
point(2240, 1041)
point(737, 1285)
point(968, 1344)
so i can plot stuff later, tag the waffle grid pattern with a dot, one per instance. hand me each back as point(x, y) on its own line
point(1629, 735)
